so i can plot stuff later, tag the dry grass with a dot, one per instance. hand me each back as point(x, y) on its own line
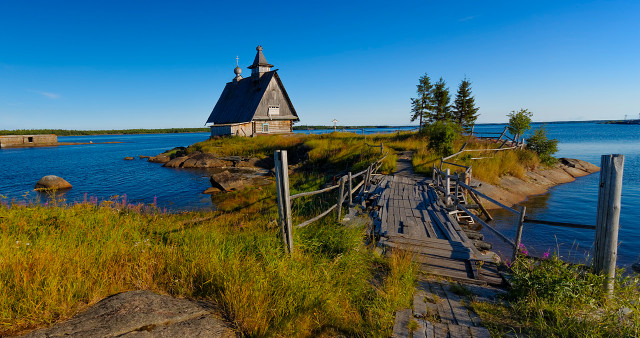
point(58, 259)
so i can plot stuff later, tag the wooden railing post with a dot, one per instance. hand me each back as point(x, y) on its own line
point(433, 174)
point(340, 197)
point(608, 218)
point(457, 178)
point(523, 211)
point(447, 188)
point(350, 188)
point(283, 197)
point(366, 179)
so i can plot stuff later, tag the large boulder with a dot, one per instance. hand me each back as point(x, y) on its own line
point(226, 181)
point(248, 163)
point(142, 314)
point(52, 182)
point(162, 158)
point(205, 160)
point(176, 162)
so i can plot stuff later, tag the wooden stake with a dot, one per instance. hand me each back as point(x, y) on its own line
point(350, 190)
point(523, 211)
point(340, 197)
point(280, 198)
point(286, 199)
point(447, 187)
point(608, 217)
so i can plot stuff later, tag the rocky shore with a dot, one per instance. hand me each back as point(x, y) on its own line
point(512, 190)
point(228, 173)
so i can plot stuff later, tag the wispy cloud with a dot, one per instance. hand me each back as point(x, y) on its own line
point(46, 94)
point(468, 18)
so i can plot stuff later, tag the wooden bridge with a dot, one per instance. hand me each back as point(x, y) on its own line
point(413, 216)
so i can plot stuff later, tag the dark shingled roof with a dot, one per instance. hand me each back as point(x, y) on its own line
point(239, 101)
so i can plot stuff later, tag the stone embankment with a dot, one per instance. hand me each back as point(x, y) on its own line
point(512, 190)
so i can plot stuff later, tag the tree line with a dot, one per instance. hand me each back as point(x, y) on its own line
point(433, 103)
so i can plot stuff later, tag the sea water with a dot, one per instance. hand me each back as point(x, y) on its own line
point(99, 170)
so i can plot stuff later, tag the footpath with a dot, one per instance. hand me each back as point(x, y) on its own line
point(453, 273)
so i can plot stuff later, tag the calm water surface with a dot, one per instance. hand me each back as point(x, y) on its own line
point(576, 202)
point(98, 170)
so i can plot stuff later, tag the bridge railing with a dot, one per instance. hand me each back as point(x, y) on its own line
point(605, 248)
point(285, 198)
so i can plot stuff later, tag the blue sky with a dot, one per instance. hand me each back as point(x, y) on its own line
point(155, 64)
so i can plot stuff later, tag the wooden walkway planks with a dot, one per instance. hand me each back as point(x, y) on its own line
point(414, 219)
point(439, 312)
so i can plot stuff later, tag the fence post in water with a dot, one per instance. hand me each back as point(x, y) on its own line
point(350, 188)
point(607, 222)
point(341, 197)
point(523, 211)
point(447, 188)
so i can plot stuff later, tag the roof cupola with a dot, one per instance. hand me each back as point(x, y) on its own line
point(237, 71)
point(260, 64)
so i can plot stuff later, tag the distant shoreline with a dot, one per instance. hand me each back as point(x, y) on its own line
point(70, 132)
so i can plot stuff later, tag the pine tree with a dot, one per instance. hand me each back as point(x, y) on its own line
point(441, 98)
point(465, 111)
point(423, 104)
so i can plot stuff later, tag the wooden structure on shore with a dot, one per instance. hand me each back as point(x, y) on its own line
point(413, 216)
point(256, 105)
point(12, 141)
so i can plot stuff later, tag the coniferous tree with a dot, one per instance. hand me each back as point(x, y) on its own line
point(441, 99)
point(465, 111)
point(422, 105)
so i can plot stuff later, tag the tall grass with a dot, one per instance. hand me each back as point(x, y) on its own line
point(56, 260)
point(552, 298)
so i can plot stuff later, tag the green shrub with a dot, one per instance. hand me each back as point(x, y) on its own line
point(519, 122)
point(441, 137)
point(542, 145)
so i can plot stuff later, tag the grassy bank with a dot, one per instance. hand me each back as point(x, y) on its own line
point(552, 298)
point(55, 260)
point(67, 132)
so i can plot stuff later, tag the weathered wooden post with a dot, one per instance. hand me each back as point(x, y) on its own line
point(608, 217)
point(281, 215)
point(283, 196)
point(367, 177)
point(340, 197)
point(457, 178)
point(433, 174)
point(350, 190)
point(516, 245)
point(447, 187)
point(381, 149)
